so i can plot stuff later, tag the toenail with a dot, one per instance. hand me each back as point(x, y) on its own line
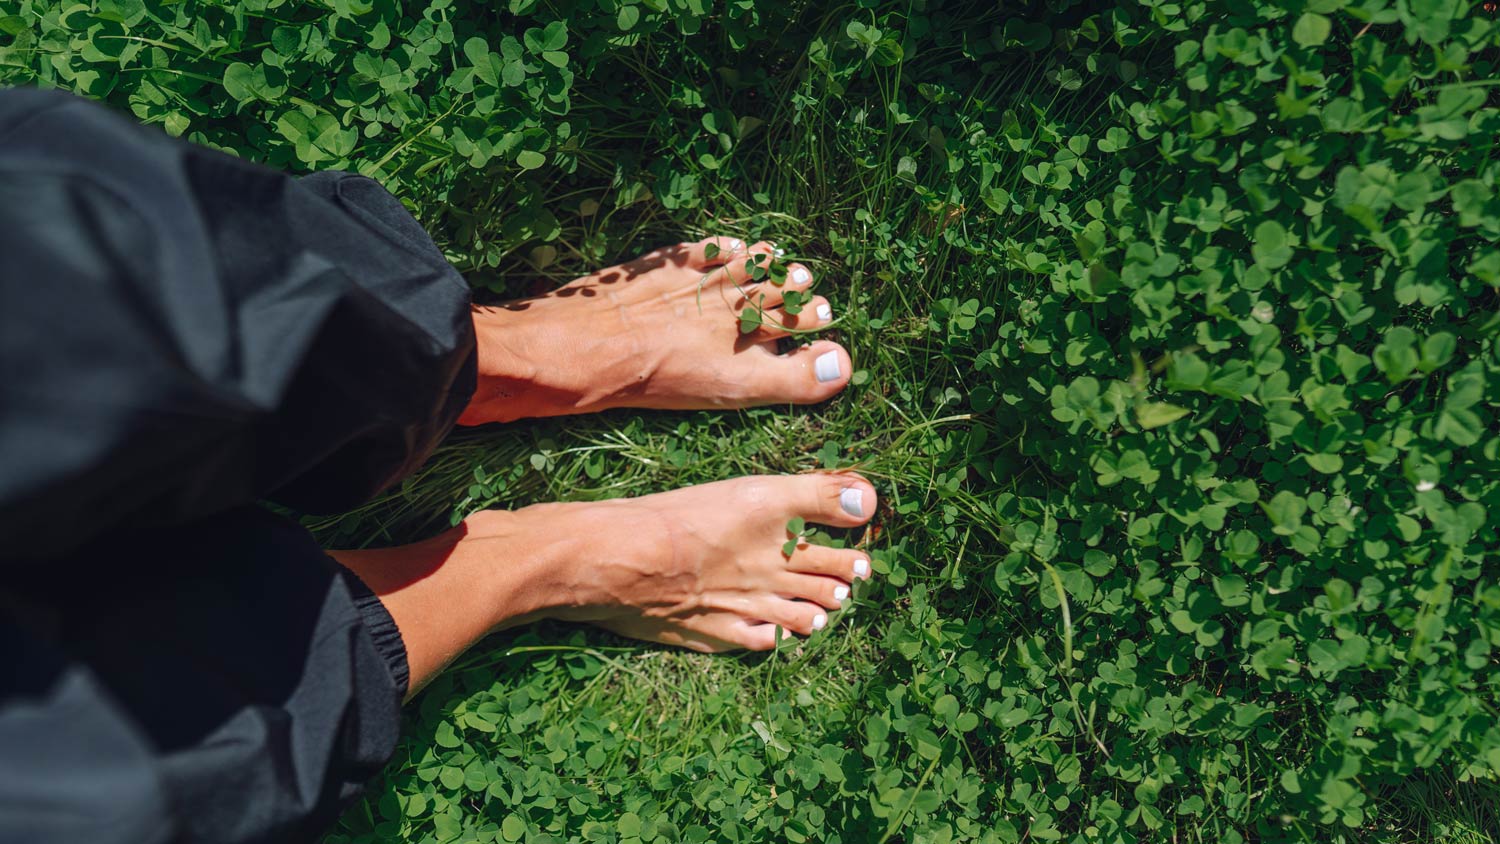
point(853, 501)
point(861, 568)
point(801, 276)
point(825, 312)
point(820, 621)
point(735, 244)
point(778, 252)
point(826, 367)
point(840, 592)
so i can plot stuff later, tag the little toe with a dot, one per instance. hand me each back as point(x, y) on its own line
point(698, 255)
point(828, 592)
point(707, 633)
point(714, 251)
point(800, 617)
point(725, 632)
point(844, 563)
point(712, 633)
point(761, 636)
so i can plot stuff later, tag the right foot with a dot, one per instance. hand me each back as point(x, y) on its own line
point(659, 332)
point(701, 567)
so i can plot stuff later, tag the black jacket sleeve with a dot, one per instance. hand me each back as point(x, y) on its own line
point(221, 682)
point(182, 332)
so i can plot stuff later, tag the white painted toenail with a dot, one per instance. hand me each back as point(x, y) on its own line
point(778, 252)
point(735, 244)
point(801, 276)
point(861, 568)
point(826, 367)
point(840, 593)
point(820, 621)
point(825, 312)
point(853, 501)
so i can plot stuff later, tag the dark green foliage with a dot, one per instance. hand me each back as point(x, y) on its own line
point(1176, 335)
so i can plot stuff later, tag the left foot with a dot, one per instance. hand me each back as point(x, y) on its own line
point(713, 567)
point(660, 332)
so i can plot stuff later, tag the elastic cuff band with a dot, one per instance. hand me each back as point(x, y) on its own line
point(383, 630)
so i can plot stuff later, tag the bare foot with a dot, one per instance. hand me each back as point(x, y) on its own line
point(662, 331)
point(703, 567)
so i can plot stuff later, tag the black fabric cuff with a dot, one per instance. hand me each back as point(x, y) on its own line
point(382, 629)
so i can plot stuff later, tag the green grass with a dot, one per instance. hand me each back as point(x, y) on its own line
point(877, 248)
point(899, 425)
point(1175, 336)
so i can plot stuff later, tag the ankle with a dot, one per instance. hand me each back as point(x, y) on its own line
point(535, 561)
point(504, 391)
point(587, 561)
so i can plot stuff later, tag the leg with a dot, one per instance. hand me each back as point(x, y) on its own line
point(702, 567)
point(662, 331)
point(74, 767)
point(232, 333)
point(264, 688)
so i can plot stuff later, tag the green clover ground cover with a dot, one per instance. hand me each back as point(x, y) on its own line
point(1176, 334)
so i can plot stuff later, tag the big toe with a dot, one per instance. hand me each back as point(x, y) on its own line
point(840, 499)
point(806, 375)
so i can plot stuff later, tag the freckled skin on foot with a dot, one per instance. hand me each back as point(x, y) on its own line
point(660, 332)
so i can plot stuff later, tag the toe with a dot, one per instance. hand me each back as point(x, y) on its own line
point(840, 499)
point(706, 632)
point(815, 314)
point(713, 251)
point(798, 277)
point(762, 636)
point(800, 617)
point(741, 267)
point(725, 632)
point(828, 592)
point(843, 563)
point(804, 376)
point(769, 293)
